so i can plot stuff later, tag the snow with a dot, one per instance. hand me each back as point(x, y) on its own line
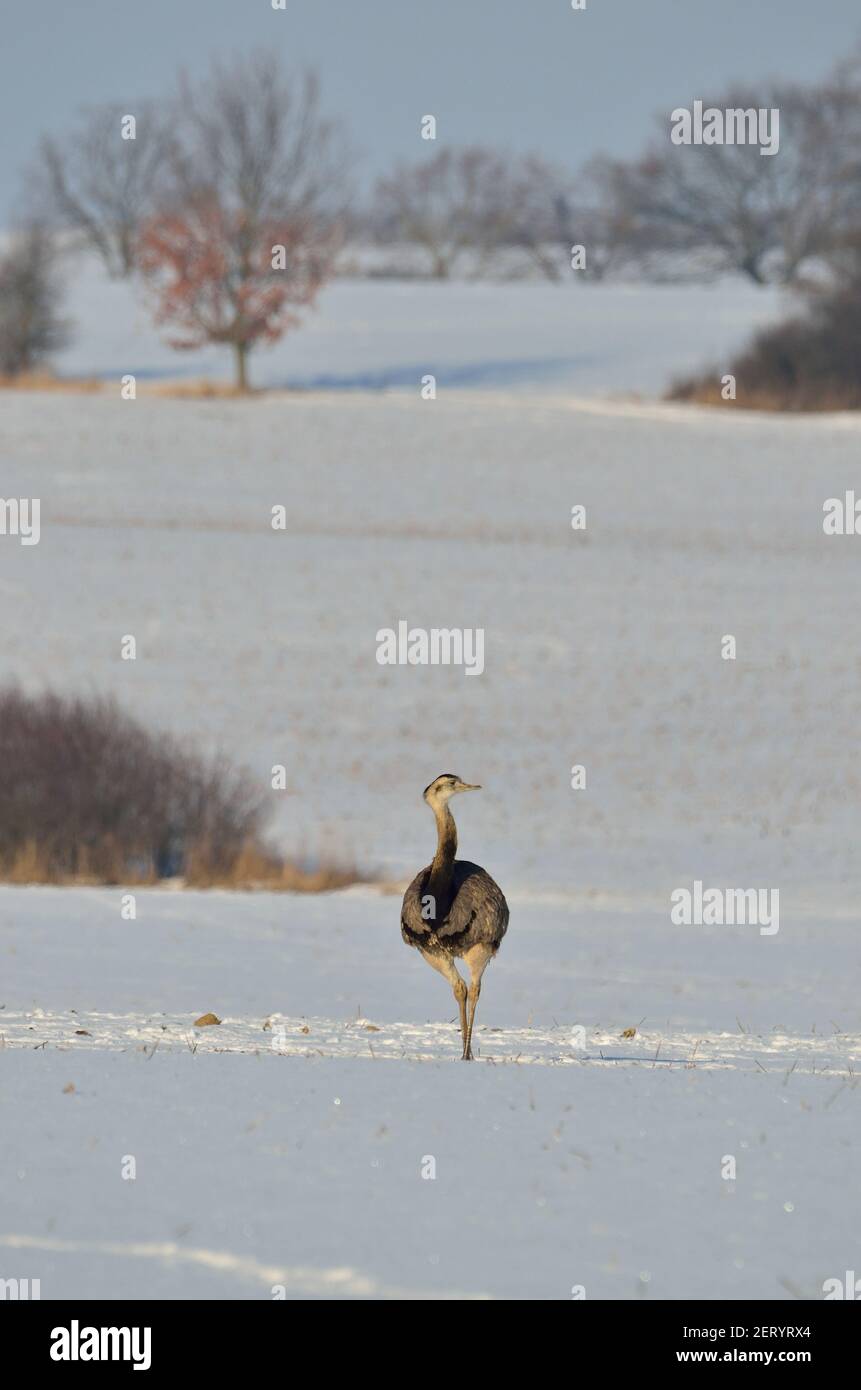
point(274, 1156)
point(369, 334)
point(601, 647)
point(285, 1147)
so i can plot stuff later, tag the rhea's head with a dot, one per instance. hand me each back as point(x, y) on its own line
point(444, 787)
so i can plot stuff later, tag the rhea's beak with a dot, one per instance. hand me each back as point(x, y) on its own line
point(468, 787)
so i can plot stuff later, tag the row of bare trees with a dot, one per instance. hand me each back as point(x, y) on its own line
point(231, 203)
point(675, 212)
point(470, 211)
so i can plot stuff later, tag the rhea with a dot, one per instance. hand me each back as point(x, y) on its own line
point(453, 909)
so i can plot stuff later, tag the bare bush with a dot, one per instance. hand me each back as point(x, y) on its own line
point(810, 362)
point(31, 327)
point(89, 792)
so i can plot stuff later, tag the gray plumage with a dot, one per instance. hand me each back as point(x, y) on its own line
point(477, 912)
point(453, 909)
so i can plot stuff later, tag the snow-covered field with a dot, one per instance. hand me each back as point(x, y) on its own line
point(601, 647)
point(364, 335)
point(279, 1156)
point(287, 1146)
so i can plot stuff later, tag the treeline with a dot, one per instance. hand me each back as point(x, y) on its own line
point(675, 213)
point(233, 201)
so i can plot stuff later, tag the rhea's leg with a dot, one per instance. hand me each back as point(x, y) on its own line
point(476, 958)
point(446, 966)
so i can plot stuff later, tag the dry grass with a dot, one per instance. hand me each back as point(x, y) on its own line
point(707, 391)
point(92, 796)
point(46, 381)
point(32, 863)
point(252, 869)
point(196, 390)
point(167, 389)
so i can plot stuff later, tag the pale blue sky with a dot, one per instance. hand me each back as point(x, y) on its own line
point(522, 74)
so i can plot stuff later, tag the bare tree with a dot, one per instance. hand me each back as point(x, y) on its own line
point(486, 211)
point(252, 220)
point(554, 212)
point(685, 200)
point(816, 189)
point(540, 216)
point(30, 325)
point(99, 182)
point(725, 206)
point(453, 206)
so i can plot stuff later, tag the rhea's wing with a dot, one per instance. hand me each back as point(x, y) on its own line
point(478, 906)
point(412, 920)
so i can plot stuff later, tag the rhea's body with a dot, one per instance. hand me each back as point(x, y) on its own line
point(454, 910)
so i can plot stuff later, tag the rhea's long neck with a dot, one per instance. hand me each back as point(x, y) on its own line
point(442, 868)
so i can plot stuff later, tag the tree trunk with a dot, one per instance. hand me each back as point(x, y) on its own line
point(241, 357)
point(750, 266)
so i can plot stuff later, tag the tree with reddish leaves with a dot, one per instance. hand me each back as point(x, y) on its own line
point(253, 220)
point(218, 279)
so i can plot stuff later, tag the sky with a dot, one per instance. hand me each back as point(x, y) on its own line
point(518, 74)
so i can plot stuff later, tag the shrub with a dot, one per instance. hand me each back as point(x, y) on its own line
point(31, 327)
point(810, 362)
point(88, 792)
